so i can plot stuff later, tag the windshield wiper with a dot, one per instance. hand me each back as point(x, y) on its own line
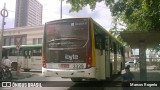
point(72, 38)
point(53, 40)
point(65, 38)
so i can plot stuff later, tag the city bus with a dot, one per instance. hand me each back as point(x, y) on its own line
point(80, 49)
point(28, 56)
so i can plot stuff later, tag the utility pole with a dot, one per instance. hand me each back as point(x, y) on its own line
point(61, 10)
point(4, 14)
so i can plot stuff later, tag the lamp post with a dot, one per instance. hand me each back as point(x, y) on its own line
point(4, 14)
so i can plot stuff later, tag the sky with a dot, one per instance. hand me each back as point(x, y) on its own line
point(51, 11)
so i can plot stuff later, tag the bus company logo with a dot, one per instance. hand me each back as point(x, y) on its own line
point(71, 57)
point(6, 84)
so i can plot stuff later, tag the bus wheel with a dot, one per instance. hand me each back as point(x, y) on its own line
point(76, 79)
point(26, 70)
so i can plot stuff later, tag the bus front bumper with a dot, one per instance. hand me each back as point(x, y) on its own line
point(81, 73)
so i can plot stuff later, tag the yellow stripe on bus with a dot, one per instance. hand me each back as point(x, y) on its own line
point(93, 43)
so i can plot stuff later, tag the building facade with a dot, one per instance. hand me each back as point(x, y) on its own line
point(28, 13)
point(28, 35)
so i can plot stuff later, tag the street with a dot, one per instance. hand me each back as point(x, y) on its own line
point(57, 83)
point(38, 77)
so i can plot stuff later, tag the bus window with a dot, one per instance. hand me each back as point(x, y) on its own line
point(106, 43)
point(34, 52)
point(25, 53)
point(20, 52)
point(111, 47)
point(40, 52)
point(37, 52)
point(13, 52)
point(4, 53)
point(30, 53)
point(99, 42)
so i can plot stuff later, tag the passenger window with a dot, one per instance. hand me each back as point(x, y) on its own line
point(37, 52)
point(98, 42)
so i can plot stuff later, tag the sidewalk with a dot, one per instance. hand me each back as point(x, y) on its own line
point(152, 75)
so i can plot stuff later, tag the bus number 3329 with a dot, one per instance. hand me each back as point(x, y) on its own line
point(78, 66)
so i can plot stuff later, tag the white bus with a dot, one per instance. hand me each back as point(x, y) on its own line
point(28, 56)
point(79, 48)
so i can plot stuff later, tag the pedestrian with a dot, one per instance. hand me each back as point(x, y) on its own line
point(7, 75)
point(7, 62)
point(123, 71)
point(126, 79)
point(135, 64)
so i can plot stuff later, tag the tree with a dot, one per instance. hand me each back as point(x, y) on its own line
point(137, 15)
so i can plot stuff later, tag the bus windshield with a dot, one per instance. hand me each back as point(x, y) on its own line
point(66, 40)
point(67, 34)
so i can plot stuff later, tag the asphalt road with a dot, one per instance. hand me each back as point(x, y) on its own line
point(56, 83)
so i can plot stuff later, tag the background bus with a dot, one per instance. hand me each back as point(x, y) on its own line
point(29, 56)
point(79, 48)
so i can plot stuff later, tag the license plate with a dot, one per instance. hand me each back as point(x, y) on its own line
point(64, 65)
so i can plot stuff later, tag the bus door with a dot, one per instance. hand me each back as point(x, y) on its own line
point(36, 59)
point(27, 60)
point(111, 57)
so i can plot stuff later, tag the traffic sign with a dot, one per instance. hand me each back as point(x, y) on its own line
point(4, 13)
point(18, 47)
point(18, 39)
point(18, 42)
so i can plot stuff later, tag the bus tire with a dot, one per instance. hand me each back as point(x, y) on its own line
point(76, 79)
point(26, 70)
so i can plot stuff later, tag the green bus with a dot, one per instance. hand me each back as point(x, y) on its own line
point(28, 56)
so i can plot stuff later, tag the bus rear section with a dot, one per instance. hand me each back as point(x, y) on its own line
point(67, 49)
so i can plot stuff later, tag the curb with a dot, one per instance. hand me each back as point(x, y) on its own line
point(36, 71)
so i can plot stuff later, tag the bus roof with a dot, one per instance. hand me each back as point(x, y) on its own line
point(67, 19)
point(23, 46)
